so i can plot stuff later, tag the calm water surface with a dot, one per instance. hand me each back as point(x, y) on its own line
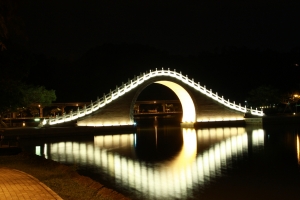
point(164, 161)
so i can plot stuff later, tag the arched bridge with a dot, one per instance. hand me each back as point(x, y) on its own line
point(116, 108)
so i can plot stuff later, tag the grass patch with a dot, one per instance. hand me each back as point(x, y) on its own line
point(63, 180)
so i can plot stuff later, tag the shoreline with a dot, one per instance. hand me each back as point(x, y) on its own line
point(72, 129)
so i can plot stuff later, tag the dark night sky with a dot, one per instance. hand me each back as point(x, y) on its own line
point(69, 29)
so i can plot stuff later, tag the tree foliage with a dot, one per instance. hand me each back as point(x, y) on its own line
point(17, 94)
point(37, 95)
point(15, 64)
point(264, 95)
point(11, 25)
point(11, 95)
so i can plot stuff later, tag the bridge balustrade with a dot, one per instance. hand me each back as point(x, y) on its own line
point(131, 84)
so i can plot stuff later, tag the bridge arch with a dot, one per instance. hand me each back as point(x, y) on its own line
point(186, 100)
point(187, 103)
point(117, 107)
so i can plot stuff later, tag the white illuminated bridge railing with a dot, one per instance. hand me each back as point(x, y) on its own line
point(133, 83)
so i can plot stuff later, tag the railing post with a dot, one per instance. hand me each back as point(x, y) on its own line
point(78, 112)
point(98, 100)
point(104, 97)
point(71, 114)
point(84, 109)
point(92, 109)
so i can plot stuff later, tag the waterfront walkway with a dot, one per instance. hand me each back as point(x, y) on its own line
point(15, 184)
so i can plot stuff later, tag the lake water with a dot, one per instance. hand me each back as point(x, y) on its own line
point(161, 160)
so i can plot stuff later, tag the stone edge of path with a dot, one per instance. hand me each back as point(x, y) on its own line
point(49, 190)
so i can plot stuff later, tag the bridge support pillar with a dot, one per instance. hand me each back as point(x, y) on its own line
point(164, 107)
point(254, 121)
point(14, 115)
point(63, 109)
point(41, 111)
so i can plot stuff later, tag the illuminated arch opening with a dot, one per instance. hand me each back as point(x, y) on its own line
point(188, 107)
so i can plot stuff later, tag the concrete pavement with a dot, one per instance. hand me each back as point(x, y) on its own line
point(16, 184)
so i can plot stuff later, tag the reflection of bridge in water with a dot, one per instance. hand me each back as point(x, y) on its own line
point(203, 156)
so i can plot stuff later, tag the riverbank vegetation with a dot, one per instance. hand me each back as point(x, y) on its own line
point(64, 180)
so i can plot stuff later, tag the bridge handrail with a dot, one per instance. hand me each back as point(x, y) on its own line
point(137, 80)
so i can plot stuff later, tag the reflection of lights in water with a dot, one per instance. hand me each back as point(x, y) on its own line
point(38, 150)
point(155, 128)
point(170, 179)
point(189, 149)
point(45, 151)
point(258, 137)
point(298, 149)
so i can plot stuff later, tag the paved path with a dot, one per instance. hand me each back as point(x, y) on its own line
point(15, 184)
